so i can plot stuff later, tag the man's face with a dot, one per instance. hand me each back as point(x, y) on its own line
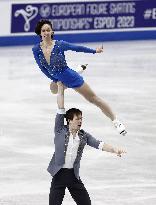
point(76, 122)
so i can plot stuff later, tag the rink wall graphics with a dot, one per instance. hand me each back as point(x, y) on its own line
point(78, 21)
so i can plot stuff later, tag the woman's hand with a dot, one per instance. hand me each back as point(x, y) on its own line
point(60, 84)
point(99, 49)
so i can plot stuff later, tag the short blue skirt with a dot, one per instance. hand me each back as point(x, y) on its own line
point(70, 78)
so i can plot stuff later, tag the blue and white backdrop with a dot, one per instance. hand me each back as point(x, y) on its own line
point(78, 20)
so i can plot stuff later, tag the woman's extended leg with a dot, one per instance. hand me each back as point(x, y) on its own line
point(87, 92)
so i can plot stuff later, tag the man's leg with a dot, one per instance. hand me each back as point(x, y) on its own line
point(79, 193)
point(56, 195)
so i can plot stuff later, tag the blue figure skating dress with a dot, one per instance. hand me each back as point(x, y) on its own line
point(58, 69)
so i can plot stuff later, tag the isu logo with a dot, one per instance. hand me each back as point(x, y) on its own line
point(28, 14)
point(45, 11)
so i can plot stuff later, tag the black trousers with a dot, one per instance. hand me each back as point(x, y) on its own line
point(66, 178)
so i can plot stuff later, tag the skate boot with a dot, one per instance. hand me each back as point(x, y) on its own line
point(84, 66)
point(120, 127)
point(81, 68)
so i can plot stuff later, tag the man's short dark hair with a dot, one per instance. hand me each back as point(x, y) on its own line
point(40, 24)
point(71, 113)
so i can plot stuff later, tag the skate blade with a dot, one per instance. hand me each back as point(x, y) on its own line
point(123, 132)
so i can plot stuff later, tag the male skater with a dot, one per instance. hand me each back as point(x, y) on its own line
point(70, 141)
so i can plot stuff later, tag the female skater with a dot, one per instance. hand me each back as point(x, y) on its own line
point(50, 57)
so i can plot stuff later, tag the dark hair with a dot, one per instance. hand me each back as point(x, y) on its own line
point(71, 113)
point(40, 24)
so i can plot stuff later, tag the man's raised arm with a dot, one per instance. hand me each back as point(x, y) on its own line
point(59, 120)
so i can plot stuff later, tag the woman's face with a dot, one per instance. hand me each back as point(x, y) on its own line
point(46, 31)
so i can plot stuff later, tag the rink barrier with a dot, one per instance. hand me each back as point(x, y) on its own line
point(81, 37)
point(78, 21)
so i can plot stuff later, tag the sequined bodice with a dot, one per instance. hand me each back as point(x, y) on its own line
point(57, 60)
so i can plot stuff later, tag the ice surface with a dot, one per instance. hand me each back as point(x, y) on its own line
point(125, 76)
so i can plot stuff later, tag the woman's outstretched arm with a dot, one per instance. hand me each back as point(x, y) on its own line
point(68, 46)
